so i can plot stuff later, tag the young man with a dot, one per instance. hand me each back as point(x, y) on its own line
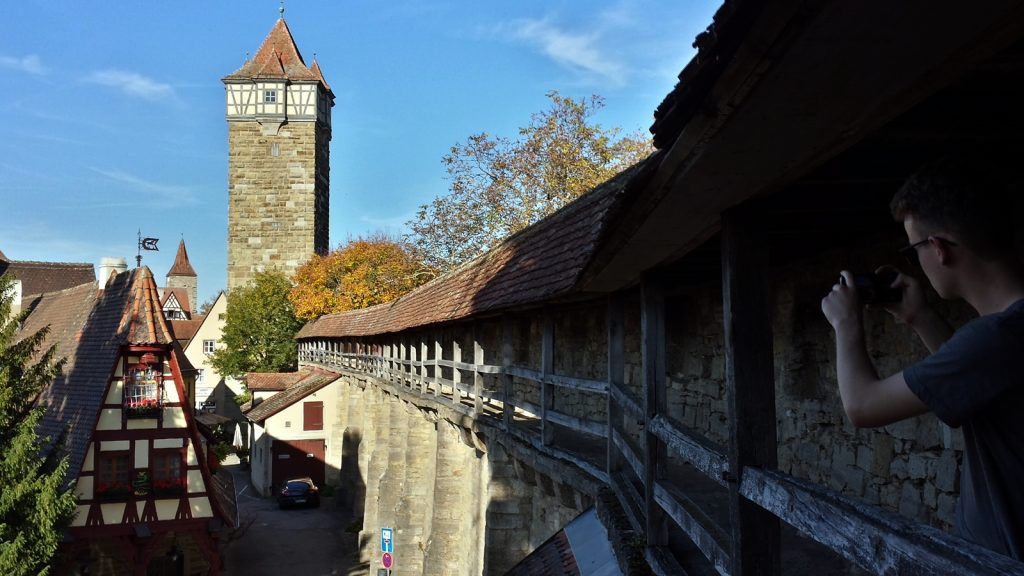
point(959, 221)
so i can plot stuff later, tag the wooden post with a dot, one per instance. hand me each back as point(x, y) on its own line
point(750, 387)
point(456, 373)
point(547, 393)
point(652, 344)
point(438, 353)
point(423, 365)
point(478, 378)
point(508, 408)
point(616, 376)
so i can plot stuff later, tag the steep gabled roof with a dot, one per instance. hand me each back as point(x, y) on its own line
point(181, 266)
point(143, 320)
point(312, 379)
point(40, 277)
point(277, 58)
point(542, 262)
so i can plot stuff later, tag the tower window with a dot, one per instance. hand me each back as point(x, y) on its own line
point(269, 96)
point(275, 149)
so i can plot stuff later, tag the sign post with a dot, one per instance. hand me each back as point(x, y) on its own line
point(387, 548)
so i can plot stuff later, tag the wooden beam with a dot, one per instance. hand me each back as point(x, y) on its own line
point(508, 408)
point(652, 335)
point(547, 393)
point(700, 527)
point(438, 354)
point(615, 319)
point(750, 387)
point(697, 450)
point(456, 373)
point(478, 377)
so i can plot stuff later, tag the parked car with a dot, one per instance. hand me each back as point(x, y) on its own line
point(299, 492)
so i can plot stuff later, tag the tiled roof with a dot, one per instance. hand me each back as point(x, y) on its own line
point(270, 381)
point(540, 263)
point(181, 266)
point(552, 558)
point(312, 380)
point(143, 320)
point(39, 277)
point(185, 330)
point(3, 258)
point(277, 58)
point(84, 329)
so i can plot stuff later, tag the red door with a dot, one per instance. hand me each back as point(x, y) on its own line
point(298, 458)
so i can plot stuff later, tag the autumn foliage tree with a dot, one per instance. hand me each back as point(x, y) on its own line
point(361, 273)
point(499, 186)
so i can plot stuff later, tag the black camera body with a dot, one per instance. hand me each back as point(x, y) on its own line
point(877, 288)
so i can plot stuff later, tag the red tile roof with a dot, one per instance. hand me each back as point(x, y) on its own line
point(270, 381)
point(312, 379)
point(185, 330)
point(540, 263)
point(181, 266)
point(278, 58)
point(180, 295)
point(143, 320)
point(552, 558)
point(39, 277)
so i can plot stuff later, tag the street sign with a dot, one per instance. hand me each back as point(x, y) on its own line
point(386, 560)
point(387, 543)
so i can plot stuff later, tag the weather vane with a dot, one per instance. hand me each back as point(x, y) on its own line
point(145, 244)
point(281, 9)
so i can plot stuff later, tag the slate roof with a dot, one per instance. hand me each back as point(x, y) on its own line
point(542, 262)
point(89, 328)
point(312, 379)
point(39, 277)
point(278, 58)
point(181, 266)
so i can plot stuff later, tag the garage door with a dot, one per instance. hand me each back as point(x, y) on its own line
point(297, 458)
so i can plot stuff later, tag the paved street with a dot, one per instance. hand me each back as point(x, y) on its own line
point(300, 542)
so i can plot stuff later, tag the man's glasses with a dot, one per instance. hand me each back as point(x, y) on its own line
point(910, 252)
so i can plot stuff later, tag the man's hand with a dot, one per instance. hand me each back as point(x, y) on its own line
point(842, 306)
point(913, 310)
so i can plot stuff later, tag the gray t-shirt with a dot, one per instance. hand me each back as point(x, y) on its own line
point(976, 380)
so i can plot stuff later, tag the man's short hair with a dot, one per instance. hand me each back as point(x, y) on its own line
point(967, 195)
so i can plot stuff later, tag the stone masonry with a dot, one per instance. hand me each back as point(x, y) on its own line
point(278, 197)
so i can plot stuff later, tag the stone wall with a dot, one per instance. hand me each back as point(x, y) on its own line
point(278, 197)
point(459, 502)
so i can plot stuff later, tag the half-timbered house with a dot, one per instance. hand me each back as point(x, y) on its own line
point(148, 501)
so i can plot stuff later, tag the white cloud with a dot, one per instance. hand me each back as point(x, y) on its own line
point(581, 51)
point(30, 64)
point(169, 194)
point(132, 84)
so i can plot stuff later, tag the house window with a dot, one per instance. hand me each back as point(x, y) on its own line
point(270, 96)
point(312, 415)
point(168, 479)
point(200, 376)
point(113, 476)
point(142, 388)
point(208, 346)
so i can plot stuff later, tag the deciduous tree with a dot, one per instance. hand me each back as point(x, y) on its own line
point(36, 505)
point(363, 272)
point(499, 186)
point(259, 328)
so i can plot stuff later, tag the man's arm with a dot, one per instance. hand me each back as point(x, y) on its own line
point(915, 312)
point(868, 400)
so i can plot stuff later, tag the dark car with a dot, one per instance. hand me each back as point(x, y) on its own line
point(299, 492)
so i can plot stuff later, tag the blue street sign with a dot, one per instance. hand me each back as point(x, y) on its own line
point(387, 543)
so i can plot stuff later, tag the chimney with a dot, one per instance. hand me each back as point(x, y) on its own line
point(108, 266)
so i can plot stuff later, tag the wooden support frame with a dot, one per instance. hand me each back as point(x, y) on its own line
point(750, 387)
point(507, 380)
point(547, 392)
point(438, 354)
point(616, 323)
point(478, 377)
point(652, 345)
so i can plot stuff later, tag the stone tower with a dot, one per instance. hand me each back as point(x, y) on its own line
point(182, 275)
point(279, 134)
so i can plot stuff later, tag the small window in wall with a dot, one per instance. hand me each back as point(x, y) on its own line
point(312, 415)
point(270, 96)
point(168, 479)
point(275, 149)
point(208, 346)
point(200, 375)
point(113, 475)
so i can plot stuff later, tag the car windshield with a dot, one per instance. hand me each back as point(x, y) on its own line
point(297, 487)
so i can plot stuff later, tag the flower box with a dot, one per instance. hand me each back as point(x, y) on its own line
point(168, 488)
point(112, 492)
point(142, 408)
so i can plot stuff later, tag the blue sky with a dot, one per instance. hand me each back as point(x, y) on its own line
point(113, 112)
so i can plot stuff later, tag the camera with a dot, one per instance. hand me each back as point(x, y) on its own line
point(877, 288)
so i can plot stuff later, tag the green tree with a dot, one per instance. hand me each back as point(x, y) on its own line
point(259, 328)
point(499, 186)
point(361, 273)
point(36, 504)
